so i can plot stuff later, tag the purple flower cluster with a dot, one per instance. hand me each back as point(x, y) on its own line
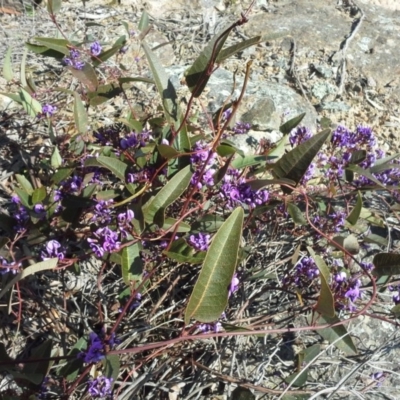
point(210, 327)
point(346, 290)
point(95, 48)
point(53, 249)
point(72, 184)
point(105, 240)
point(334, 222)
point(241, 128)
point(143, 175)
point(47, 111)
point(100, 387)
point(102, 212)
point(396, 296)
point(202, 153)
point(237, 192)
point(21, 215)
point(305, 271)
point(200, 241)
point(299, 135)
point(5, 267)
point(125, 222)
point(95, 350)
point(74, 60)
point(234, 285)
point(136, 140)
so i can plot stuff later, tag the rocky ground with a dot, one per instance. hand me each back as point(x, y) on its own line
point(334, 59)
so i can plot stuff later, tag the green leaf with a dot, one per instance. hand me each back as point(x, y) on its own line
point(357, 156)
point(168, 194)
point(32, 269)
point(132, 264)
point(117, 167)
point(167, 152)
point(199, 73)
point(56, 159)
point(38, 370)
point(24, 197)
point(349, 243)
point(59, 45)
point(221, 172)
point(386, 264)
point(296, 214)
point(180, 251)
point(31, 105)
point(364, 172)
point(22, 72)
point(105, 55)
point(104, 93)
point(208, 223)
point(337, 334)
point(287, 127)
point(71, 370)
point(356, 211)
point(247, 161)
point(87, 76)
point(293, 165)
point(7, 66)
point(61, 175)
point(326, 301)
point(54, 6)
point(172, 111)
point(80, 115)
point(258, 184)
point(225, 150)
point(378, 164)
point(144, 21)
point(26, 185)
point(39, 195)
point(241, 393)
point(396, 310)
point(183, 227)
point(111, 366)
point(236, 48)
point(210, 294)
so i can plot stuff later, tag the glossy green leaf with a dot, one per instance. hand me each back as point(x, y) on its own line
point(247, 161)
point(356, 211)
point(296, 214)
point(39, 195)
point(54, 6)
point(168, 194)
point(26, 185)
point(287, 127)
point(80, 115)
point(111, 365)
point(337, 334)
point(199, 73)
point(326, 301)
point(117, 167)
point(132, 264)
point(210, 294)
point(59, 45)
point(293, 165)
point(31, 105)
point(87, 76)
point(56, 160)
point(8, 73)
point(386, 264)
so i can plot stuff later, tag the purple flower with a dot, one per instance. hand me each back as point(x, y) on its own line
point(125, 221)
point(73, 59)
point(299, 135)
point(379, 377)
point(201, 152)
point(100, 387)
point(102, 211)
point(105, 240)
point(234, 286)
point(95, 350)
point(213, 327)
point(241, 128)
point(200, 241)
point(47, 111)
point(5, 267)
point(53, 249)
point(95, 48)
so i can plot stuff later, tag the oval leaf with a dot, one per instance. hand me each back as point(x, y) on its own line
point(293, 165)
point(117, 167)
point(386, 264)
point(356, 211)
point(132, 265)
point(291, 124)
point(80, 115)
point(210, 294)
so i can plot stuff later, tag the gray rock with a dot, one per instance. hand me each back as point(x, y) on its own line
point(262, 115)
